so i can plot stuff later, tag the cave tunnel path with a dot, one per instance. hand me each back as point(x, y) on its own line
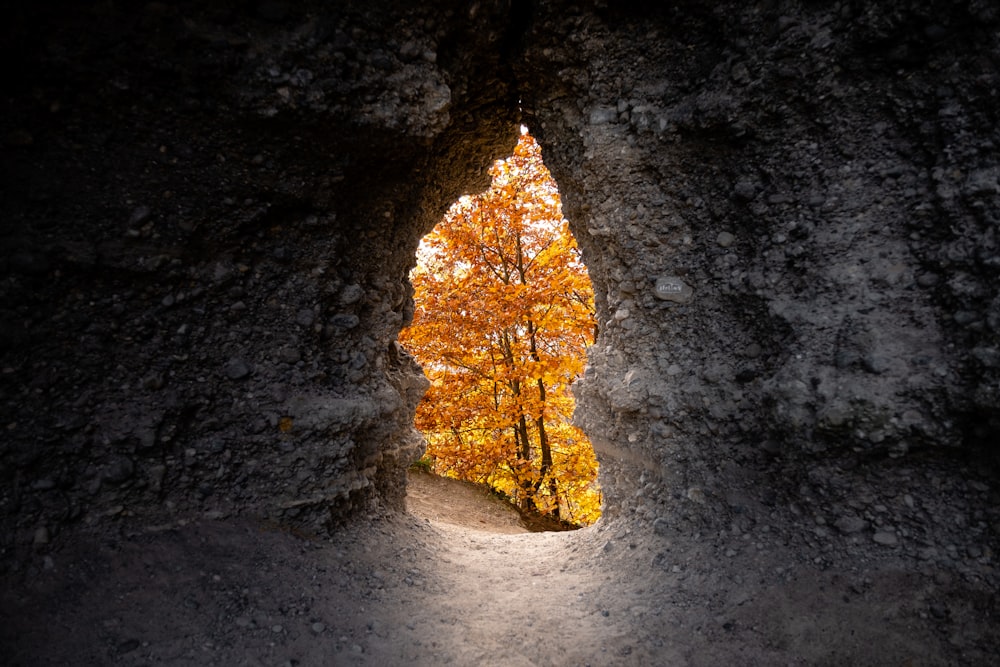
point(405, 591)
point(526, 599)
point(401, 591)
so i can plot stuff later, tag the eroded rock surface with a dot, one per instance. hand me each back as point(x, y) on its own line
point(209, 217)
point(789, 212)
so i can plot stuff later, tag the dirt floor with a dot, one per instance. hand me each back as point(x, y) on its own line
point(460, 581)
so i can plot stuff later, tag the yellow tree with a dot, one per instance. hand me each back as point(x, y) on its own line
point(504, 311)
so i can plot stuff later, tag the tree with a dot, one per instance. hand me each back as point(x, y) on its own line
point(504, 311)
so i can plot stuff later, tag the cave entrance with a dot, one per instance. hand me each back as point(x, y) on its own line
point(504, 312)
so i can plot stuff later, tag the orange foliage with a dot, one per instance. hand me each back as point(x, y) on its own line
point(504, 311)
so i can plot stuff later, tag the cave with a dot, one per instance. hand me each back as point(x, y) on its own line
point(788, 211)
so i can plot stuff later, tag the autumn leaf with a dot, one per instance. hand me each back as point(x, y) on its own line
point(503, 314)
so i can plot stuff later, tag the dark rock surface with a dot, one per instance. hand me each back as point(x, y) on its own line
point(205, 249)
point(789, 212)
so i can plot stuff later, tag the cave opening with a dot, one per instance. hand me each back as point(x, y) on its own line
point(504, 313)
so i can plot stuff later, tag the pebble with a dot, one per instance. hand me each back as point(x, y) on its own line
point(850, 524)
point(129, 645)
point(305, 317)
point(745, 189)
point(243, 622)
point(927, 553)
point(277, 628)
point(673, 288)
point(318, 628)
point(139, 215)
point(939, 611)
point(237, 369)
point(885, 538)
point(41, 536)
point(725, 239)
point(345, 321)
point(119, 470)
point(351, 294)
point(602, 115)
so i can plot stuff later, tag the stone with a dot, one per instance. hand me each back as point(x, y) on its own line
point(848, 525)
point(745, 190)
point(345, 321)
point(351, 294)
point(673, 288)
point(139, 215)
point(153, 381)
point(236, 369)
point(602, 115)
point(885, 538)
point(983, 182)
point(157, 473)
point(119, 470)
point(305, 317)
point(696, 495)
point(725, 239)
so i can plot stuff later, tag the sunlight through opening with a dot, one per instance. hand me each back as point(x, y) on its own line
point(504, 314)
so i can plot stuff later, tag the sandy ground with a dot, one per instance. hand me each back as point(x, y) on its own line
point(458, 581)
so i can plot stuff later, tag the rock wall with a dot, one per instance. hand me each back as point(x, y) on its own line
point(209, 214)
point(789, 213)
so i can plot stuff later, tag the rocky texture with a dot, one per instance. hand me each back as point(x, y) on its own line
point(445, 585)
point(790, 206)
point(208, 220)
point(789, 213)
